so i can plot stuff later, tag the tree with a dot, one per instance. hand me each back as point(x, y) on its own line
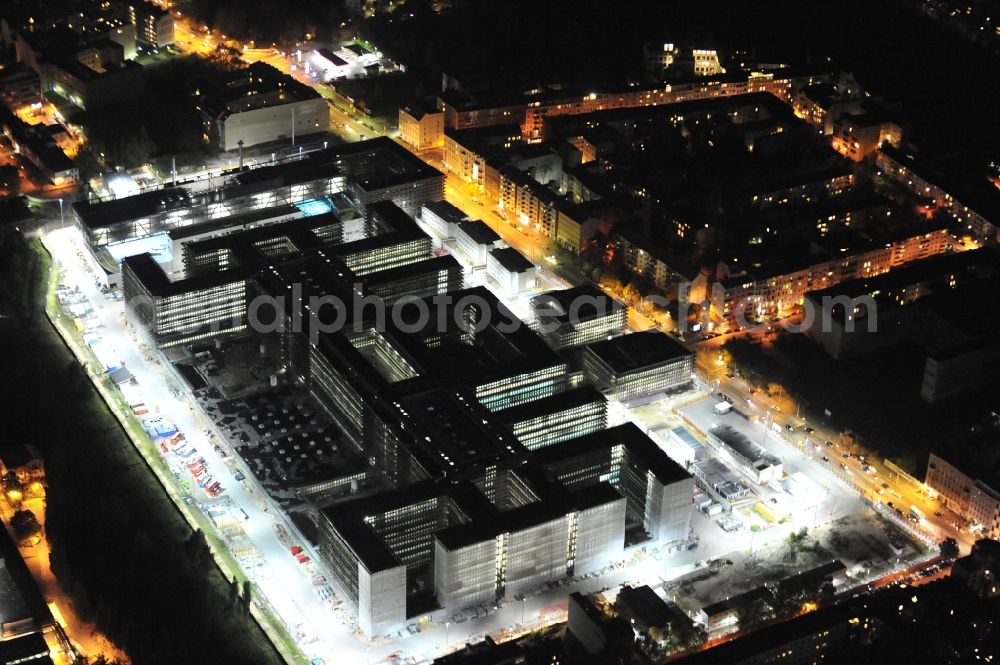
point(104, 660)
point(246, 596)
point(753, 614)
point(234, 592)
point(25, 525)
point(686, 635)
point(13, 488)
point(949, 547)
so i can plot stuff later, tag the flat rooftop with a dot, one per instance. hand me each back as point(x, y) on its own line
point(635, 441)
point(743, 445)
point(638, 350)
point(511, 260)
point(348, 518)
point(737, 601)
point(331, 57)
point(370, 165)
point(885, 288)
point(98, 214)
point(156, 281)
point(479, 232)
point(525, 517)
point(642, 604)
point(446, 211)
point(458, 432)
point(576, 304)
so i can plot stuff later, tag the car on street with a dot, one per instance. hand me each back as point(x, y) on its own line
point(885, 485)
point(829, 444)
point(825, 458)
point(809, 430)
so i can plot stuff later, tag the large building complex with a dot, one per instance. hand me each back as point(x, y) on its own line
point(362, 173)
point(466, 417)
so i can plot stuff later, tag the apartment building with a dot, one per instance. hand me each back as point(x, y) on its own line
point(966, 482)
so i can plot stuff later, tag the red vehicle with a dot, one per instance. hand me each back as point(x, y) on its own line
point(296, 550)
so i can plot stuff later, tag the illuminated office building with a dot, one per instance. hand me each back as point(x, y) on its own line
point(365, 172)
point(637, 364)
point(553, 419)
point(577, 316)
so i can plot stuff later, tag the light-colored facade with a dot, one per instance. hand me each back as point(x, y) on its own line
point(508, 268)
point(466, 576)
point(970, 497)
point(530, 113)
point(182, 316)
point(152, 24)
point(780, 293)
point(577, 316)
point(442, 218)
point(623, 368)
point(857, 136)
point(553, 419)
point(381, 599)
point(476, 240)
point(907, 172)
point(518, 559)
point(90, 89)
point(421, 129)
point(750, 458)
point(254, 126)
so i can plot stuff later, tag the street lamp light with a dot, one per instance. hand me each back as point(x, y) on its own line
point(447, 634)
point(62, 220)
